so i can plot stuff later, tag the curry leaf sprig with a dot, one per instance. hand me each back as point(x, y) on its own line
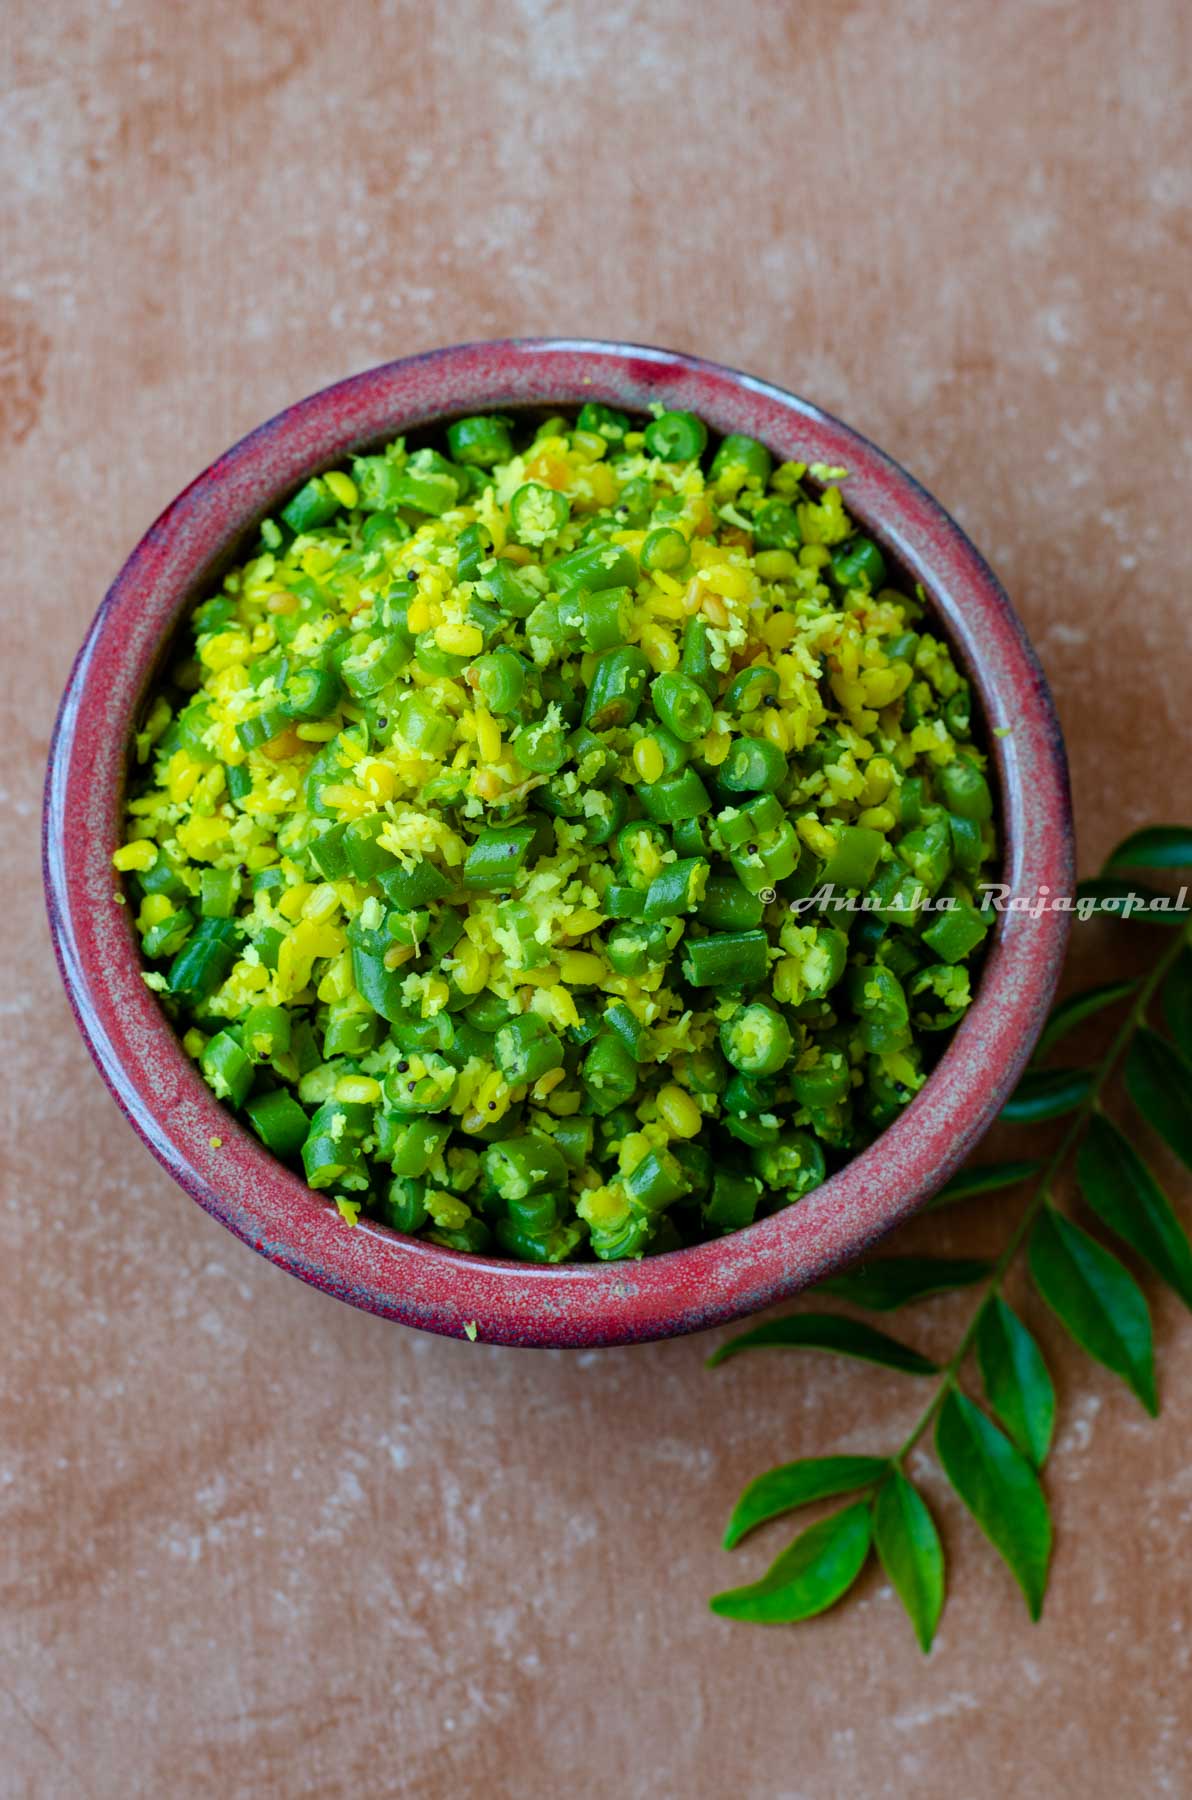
point(993, 1453)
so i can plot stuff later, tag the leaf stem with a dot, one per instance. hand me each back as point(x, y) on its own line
point(1135, 1017)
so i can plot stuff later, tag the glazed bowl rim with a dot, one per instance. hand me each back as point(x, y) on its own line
point(224, 1168)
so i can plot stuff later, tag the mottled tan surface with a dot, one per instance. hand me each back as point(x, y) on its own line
point(252, 1543)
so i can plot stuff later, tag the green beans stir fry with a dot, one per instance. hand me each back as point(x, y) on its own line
point(473, 836)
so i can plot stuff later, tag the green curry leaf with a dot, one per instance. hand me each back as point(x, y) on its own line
point(1159, 1081)
point(1045, 1094)
point(1000, 1489)
point(795, 1484)
point(983, 1178)
point(895, 1281)
point(1094, 1297)
point(1124, 897)
point(809, 1576)
point(1154, 847)
point(827, 1331)
point(1076, 1009)
point(1177, 1002)
point(1124, 1194)
point(1016, 1380)
point(909, 1548)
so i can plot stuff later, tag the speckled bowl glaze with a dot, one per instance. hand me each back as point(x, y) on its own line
point(238, 1182)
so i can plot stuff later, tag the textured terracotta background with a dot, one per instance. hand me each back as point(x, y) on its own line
point(252, 1543)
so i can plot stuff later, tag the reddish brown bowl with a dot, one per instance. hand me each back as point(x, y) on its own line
point(166, 1101)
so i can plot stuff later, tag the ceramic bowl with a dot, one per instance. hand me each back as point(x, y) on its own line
point(262, 1202)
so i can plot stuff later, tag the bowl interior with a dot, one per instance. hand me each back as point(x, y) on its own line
point(186, 552)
